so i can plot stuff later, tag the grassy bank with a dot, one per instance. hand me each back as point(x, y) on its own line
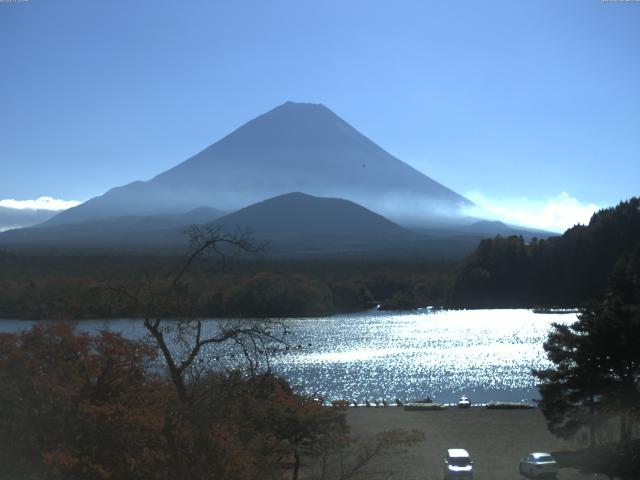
point(496, 439)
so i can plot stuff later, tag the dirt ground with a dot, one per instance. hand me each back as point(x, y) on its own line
point(495, 439)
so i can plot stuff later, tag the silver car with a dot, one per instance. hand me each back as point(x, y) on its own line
point(538, 464)
point(458, 464)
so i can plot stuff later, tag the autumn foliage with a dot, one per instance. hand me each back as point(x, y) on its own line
point(77, 406)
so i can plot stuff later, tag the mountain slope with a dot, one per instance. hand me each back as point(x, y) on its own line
point(294, 147)
point(112, 232)
point(17, 218)
point(293, 225)
point(293, 220)
point(300, 225)
point(490, 229)
point(301, 215)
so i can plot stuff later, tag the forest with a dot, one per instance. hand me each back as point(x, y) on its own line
point(504, 272)
point(75, 287)
point(593, 379)
point(565, 271)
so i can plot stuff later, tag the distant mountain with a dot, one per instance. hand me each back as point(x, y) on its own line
point(292, 221)
point(481, 229)
point(300, 223)
point(301, 215)
point(124, 232)
point(487, 226)
point(293, 225)
point(294, 147)
point(18, 218)
point(489, 229)
point(297, 225)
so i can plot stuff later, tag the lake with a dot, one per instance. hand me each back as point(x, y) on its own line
point(485, 354)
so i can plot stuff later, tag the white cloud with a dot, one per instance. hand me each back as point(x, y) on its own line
point(42, 203)
point(555, 214)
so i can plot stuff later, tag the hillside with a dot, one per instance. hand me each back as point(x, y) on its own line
point(299, 224)
point(136, 232)
point(567, 270)
point(293, 225)
point(301, 215)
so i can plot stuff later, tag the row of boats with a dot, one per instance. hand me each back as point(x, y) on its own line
point(428, 404)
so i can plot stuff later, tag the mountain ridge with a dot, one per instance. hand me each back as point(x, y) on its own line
point(293, 225)
point(300, 214)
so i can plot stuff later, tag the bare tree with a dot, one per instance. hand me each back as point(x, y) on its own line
point(170, 315)
point(301, 428)
point(192, 347)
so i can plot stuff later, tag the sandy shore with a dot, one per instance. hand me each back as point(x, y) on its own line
point(496, 440)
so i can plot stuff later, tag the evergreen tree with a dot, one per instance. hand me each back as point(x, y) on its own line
point(596, 371)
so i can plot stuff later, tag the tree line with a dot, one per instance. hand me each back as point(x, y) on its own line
point(564, 271)
point(77, 287)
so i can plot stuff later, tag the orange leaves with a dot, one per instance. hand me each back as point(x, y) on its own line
point(78, 406)
point(85, 407)
point(60, 460)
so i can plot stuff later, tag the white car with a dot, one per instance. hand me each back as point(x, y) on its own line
point(538, 464)
point(458, 464)
point(464, 402)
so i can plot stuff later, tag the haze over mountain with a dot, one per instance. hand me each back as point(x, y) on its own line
point(298, 214)
point(112, 233)
point(18, 217)
point(293, 225)
point(304, 226)
point(294, 147)
point(488, 229)
point(293, 222)
point(345, 183)
point(304, 223)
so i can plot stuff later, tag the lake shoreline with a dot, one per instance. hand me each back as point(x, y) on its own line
point(337, 313)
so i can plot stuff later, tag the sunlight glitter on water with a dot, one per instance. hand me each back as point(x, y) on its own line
point(488, 354)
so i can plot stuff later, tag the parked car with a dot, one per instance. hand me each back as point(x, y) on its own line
point(538, 464)
point(458, 464)
point(464, 402)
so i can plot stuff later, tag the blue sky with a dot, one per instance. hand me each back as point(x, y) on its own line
point(530, 108)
